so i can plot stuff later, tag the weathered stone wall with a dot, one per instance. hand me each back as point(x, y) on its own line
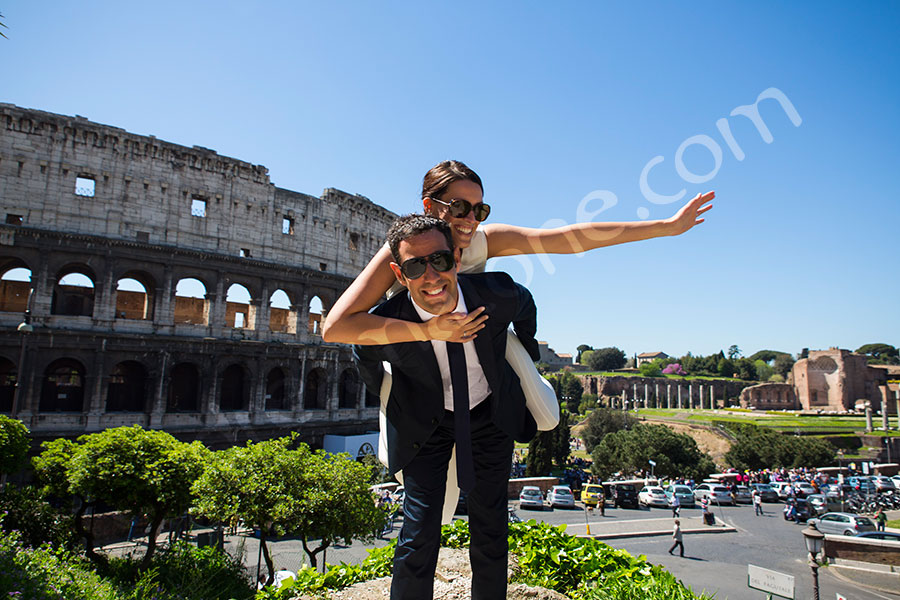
point(769, 396)
point(82, 198)
point(835, 379)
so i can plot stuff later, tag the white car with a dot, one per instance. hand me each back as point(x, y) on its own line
point(717, 494)
point(653, 495)
point(530, 497)
point(561, 495)
point(884, 484)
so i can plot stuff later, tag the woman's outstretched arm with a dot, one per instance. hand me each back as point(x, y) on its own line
point(349, 321)
point(506, 240)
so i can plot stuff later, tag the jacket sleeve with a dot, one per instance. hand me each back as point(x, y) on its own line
point(525, 321)
point(368, 361)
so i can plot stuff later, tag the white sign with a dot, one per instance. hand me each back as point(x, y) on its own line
point(652, 463)
point(773, 582)
point(840, 597)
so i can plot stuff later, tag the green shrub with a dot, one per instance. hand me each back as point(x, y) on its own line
point(183, 572)
point(37, 522)
point(46, 573)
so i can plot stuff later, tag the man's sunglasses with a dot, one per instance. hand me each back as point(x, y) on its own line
point(460, 208)
point(442, 261)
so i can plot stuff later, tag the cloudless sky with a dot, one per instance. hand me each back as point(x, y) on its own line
point(549, 103)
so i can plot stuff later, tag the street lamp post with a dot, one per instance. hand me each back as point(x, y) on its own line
point(25, 327)
point(815, 539)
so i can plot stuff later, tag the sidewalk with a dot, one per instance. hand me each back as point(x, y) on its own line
point(608, 528)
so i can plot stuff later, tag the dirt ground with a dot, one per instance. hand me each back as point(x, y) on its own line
point(716, 445)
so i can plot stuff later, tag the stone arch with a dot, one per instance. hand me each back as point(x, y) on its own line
point(62, 389)
point(348, 389)
point(315, 392)
point(73, 294)
point(134, 296)
point(282, 317)
point(15, 287)
point(239, 312)
point(316, 310)
point(275, 389)
point(184, 389)
point(191, 303)
point(127, 388)
point(9, 374)
point(234, 389)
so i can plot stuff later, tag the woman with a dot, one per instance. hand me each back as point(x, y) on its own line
point(453, 192)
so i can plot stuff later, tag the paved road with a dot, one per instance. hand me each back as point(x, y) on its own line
point(715, 563)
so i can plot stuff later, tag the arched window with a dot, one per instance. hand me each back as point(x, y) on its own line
point(233, 395)
point(315, 316)
point(8, 376)
point(191, 305)
point(184, 389)
point(73, 295)
point(348, 389)
point(127, 388)
point(275, 390)
point(15, 290)
point(281, 317)
point(63, 387)
point(315, 392)
point(237, 307)
point(133, 300)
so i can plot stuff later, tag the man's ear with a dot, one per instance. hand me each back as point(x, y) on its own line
point(398, 273)
point(457, 256)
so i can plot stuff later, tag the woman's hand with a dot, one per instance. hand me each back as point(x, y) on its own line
point(457, 326)
point(689, 215)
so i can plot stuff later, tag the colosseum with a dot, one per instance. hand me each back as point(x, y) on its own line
point(146, 282)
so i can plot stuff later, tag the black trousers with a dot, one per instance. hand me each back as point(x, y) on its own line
point(677, 544)
point(425, 480)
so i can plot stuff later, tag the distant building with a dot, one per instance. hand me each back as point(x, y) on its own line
point(554, 360)
point(645, 357)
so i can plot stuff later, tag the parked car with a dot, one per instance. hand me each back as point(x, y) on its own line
point(766, 492)
point(624, 495)
point(590, 493)
point(684, 493)
point(896, 480)
point(653, 495)
point(742, 495)
point(801, 510)
point(883, 484)
point(841, 523)
point(717, 494)
point(818, 504)
point(783, 488)
point(889, 536)
point(530, 497)
point(560, 496)
point(862, 485)
point(803, 489)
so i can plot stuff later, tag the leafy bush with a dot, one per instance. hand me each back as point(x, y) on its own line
point(46, 573)
point(37, 522)
point(13, 444)
point(183, 572)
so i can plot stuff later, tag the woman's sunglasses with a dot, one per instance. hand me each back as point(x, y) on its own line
point(460, 208)
point(442, 261)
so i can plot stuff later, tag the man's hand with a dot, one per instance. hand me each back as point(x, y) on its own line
point(457, 326)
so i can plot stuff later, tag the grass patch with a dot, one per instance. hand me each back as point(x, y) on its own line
point(895, 524)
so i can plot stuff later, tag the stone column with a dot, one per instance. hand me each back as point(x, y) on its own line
point(656, 397)
point(897, 400)
point(158, 405)
point(668, 396)
point(868, 417)
point(164, 300)
point(646, 393)
point(95, 405)
point(624, 404)
point(679, 397)
point(885, 423)
point(691, 395)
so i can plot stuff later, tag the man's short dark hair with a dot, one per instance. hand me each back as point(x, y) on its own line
point(409, 226)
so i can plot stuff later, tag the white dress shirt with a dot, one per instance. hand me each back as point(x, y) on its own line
point(479, 389)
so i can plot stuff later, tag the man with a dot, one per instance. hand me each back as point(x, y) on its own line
point(443, 392)
point(675, 504)
point(677, 539)
point(757, 502)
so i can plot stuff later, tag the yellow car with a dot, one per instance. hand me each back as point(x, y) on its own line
point(590, 492)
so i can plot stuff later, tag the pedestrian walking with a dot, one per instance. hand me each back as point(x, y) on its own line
point(675, 504)
point(601, 503)
point(676, 538)
point(880, 518)
point(757, 502)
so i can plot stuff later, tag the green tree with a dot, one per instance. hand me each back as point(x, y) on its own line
point(783, 365)
point(746, 369)
point(570, 391)
point(561, 436)
point(602, 421)
point(539, 459)
point(734, 352)
point(136, 470)
point(651, 369)
point(763, 370)
point(759, 448)
point(725, 368)
point(13, 445)
point(606, 359)
point(581, 349)
point(880, 353)
point(588, 403)
point(628, 451)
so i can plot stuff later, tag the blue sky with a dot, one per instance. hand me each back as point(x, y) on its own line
point(549, 102)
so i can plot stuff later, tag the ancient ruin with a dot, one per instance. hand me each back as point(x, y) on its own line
point(147, 282)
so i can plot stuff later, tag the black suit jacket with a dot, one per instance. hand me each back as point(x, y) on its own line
point(416, 403)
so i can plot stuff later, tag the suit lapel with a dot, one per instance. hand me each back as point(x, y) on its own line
point(422, 349)
point(484, 346)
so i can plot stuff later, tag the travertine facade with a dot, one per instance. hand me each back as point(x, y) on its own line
point(114, 232)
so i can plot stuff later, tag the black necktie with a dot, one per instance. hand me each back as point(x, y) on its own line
point(459, 378)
